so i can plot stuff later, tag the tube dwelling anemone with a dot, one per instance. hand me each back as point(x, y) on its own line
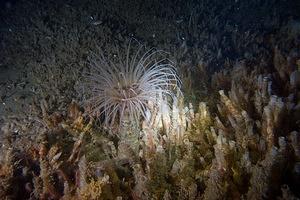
point(124, 90)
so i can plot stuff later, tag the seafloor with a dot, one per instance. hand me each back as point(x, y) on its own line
point(234, 134)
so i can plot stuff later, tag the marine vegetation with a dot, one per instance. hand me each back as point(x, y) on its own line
point(248, 149)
